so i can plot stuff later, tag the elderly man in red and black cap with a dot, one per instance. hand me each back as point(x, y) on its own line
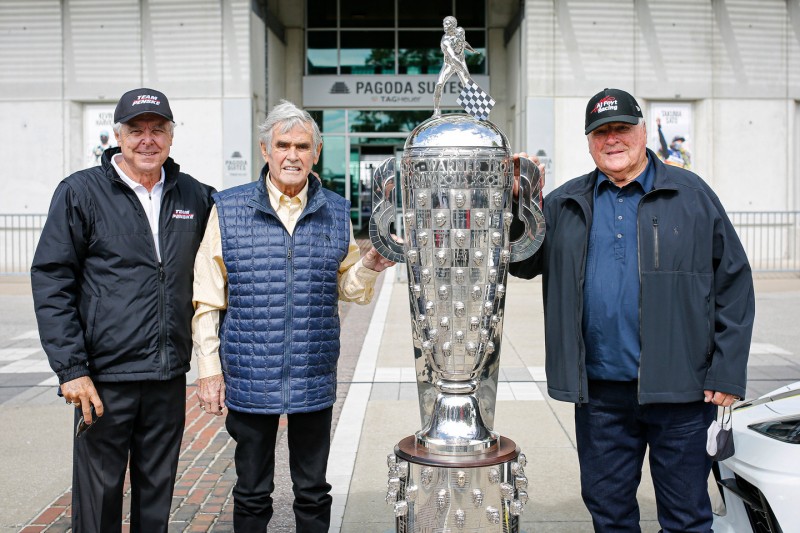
point(112, 288)
point(649, 311)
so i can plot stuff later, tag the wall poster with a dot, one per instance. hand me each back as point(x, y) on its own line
point(98, 132)
point(670, 128)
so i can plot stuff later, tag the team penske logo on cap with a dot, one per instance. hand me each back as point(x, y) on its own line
point(146, 99)
point(609, 103)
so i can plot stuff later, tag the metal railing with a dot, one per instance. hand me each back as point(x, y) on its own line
point(19, 235)
point(770, 238)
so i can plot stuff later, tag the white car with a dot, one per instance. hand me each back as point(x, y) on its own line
point(760, 484)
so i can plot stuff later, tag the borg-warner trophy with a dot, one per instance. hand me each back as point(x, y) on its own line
point(456, 178)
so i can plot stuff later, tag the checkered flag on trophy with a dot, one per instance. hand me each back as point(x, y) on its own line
point(475, 100)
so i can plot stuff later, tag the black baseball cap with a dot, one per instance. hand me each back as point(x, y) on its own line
point(140, 101)
point(611, 105)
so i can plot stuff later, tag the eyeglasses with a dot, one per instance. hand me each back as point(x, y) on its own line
point(83, 427)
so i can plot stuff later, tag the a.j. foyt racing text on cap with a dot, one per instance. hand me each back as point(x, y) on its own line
point(140, 101)
point(611, 105)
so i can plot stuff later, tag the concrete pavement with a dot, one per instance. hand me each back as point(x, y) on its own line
point(377, 407)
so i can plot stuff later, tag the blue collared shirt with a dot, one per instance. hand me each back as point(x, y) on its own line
point(611, 283)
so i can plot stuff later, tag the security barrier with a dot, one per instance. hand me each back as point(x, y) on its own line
point(770, 238)
point(19, 235)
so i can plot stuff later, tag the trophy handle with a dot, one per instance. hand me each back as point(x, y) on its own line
point(529, 212)
point(384, 212)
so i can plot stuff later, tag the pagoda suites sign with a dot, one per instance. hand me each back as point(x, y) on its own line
point(380, 91)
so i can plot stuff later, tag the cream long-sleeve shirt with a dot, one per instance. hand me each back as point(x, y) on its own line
point(356, 282)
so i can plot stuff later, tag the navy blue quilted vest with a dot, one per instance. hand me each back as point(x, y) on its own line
point(280, 334)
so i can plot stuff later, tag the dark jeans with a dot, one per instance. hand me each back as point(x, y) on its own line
point(613, 431)
point(143, 420)
point(309, 444)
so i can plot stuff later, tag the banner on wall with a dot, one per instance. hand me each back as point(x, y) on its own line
point(237, 141)
point(670, 130)
point(98, 132)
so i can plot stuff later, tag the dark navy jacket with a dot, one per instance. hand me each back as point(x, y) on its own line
point(697, 303)
point(279, 338)
point(106, 307)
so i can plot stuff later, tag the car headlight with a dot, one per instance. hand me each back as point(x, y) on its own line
point(782, 429)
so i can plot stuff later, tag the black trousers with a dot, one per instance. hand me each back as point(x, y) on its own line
point(143, 420)
point(309, 445)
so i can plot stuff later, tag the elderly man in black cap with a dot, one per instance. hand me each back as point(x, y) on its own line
point(112, 288)
point(649, 309)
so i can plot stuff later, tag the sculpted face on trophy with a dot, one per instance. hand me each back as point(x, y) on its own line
point(456, 178)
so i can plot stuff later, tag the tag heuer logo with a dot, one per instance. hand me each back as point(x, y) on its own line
point(340, 87)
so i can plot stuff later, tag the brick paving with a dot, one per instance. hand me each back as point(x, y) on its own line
point(202, 499)
point(206, 475)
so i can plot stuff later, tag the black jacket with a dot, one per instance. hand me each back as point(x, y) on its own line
point(696, 303)
point(106, 307)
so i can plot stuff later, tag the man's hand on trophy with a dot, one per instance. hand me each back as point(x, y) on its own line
point(516, 171)
point(375, 261)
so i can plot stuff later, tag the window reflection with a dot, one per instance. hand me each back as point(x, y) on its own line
point(317, 116)
point(367, 52)
point(386, 121)
point(322, 52)
point(476, 62)
point(410, 13)
point(409, 39)
point(359, 202)
point(419, 52)
point(355, 139)
point(329, 120)
point(331, 164)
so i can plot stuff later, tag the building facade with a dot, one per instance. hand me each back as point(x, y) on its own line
point(723, 75)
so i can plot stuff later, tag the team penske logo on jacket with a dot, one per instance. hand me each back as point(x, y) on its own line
point(146, 99)
point(183, 214)
point(609, 103)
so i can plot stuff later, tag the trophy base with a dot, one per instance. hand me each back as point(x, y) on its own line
point(478, 493)
point(409, 449)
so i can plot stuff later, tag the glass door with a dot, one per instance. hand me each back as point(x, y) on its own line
point(369, 158)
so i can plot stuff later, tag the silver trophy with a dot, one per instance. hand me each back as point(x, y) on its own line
point(456, 178)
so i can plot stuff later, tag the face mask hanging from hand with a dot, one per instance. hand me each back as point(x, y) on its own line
point(719, 444)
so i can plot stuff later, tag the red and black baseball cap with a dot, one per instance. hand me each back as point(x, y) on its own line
point(140, 101)
point(611, 105)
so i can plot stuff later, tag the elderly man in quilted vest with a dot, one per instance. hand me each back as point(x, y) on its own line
point(277, 256)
